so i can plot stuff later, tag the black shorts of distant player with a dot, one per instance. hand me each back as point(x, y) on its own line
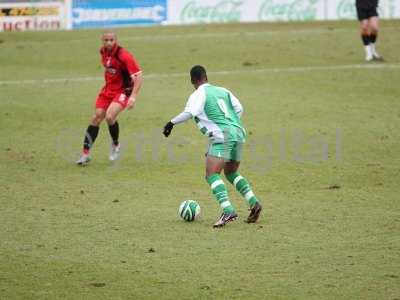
point(366, 13)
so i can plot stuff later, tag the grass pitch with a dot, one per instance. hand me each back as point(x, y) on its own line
point(322, 154)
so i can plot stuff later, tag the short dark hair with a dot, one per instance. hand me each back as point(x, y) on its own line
point(198, 73)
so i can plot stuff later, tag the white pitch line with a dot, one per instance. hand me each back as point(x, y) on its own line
point(152, 37)
point(224, 72)
point(226, 34)
point(244, 33)
point(190, 35)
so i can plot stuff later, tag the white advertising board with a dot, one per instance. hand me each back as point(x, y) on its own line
point(23, 16)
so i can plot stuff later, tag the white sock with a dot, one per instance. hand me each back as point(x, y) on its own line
point(373, 50)
point(368, 50)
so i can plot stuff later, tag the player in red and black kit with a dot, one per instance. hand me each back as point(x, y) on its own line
point(369, 24)
point(123, 79)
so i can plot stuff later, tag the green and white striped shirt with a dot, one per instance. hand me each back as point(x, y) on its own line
point(216, 112)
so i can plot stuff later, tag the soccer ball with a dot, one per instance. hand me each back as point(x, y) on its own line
point(189, 210)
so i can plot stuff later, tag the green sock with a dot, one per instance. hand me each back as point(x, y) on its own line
point(221, 194)
point(243, 187)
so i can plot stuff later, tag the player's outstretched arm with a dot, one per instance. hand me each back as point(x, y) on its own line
point(182, 117)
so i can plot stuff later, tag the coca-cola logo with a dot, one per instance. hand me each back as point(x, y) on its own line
point(346, 9)
point(295, 10)
point(221, 12)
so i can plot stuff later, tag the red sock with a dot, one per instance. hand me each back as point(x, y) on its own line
point(86, 151)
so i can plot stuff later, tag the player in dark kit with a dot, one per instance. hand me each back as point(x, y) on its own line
point(123, 79)
point(369, 24)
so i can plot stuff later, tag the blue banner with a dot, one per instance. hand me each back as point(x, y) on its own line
point(109, 13)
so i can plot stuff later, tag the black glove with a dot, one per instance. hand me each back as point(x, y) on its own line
point(168, 128)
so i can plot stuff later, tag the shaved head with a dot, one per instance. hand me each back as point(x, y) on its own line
point(109, 33)
point(109, 39)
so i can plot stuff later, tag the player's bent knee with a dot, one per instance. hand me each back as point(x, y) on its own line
point(364, 30)
point(110, 119)
point(96, 120)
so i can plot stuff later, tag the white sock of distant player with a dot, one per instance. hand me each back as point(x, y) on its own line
point(373, 50)
point(368, 52)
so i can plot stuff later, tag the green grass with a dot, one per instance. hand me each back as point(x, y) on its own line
point(85, 233)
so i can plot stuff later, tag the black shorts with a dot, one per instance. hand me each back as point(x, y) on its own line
point(366, 13)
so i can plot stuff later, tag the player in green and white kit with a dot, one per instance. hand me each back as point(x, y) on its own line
point(217, 113)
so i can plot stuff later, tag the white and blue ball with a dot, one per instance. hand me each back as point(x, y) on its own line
point(189, 210)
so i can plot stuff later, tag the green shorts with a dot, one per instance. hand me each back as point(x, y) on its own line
point(230, 151)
